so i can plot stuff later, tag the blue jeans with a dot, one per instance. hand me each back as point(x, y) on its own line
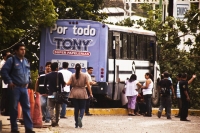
point(63, 106)
point(19, 94)
point(147, 99)
point(165, 102)
point(44, 108)
point(79, 105)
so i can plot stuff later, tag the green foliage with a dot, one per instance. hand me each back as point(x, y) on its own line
point(34, 76)
point(80, 9)
point(25, 17)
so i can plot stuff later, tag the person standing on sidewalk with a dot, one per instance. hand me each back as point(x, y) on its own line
point(4, 89)
point(185, 99)
point(78, 94)
point(178, 93)
point(55, 81)
point(89, 72)
point(131, 92)
point(39, 87)
point(66, 74)
point(165, 86)
point(147, 93)
point(16, 73)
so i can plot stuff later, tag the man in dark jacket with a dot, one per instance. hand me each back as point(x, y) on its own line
point(55, 81)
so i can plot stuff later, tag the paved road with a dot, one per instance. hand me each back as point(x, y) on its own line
point(118, 124)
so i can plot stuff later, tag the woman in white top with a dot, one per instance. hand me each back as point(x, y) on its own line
point(147, 93)
point(131, 92)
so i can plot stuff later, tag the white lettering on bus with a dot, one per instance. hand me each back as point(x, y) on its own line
point(59, 29)
point(84, 31)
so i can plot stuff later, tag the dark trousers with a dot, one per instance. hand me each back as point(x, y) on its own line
point(5, 100)
point(19, 94)
point(179, 105)
point(184, 109)
point(147, 99)
point(165, 101)
point(87, 106)
point(79, 106)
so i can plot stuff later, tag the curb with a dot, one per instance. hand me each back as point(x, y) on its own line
point(123, 111)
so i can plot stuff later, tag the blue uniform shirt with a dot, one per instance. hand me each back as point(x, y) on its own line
point(20, 74)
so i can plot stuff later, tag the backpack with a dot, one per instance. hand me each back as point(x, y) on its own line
point(165, 87)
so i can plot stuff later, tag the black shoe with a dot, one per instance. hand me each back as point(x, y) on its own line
point(169, 118)
point(43, 118)
point(47, 121)
point(159, 114)
point(54, 124)
point(88, 114)
point(29, 131)
point(147, 115)
point(15, 131)
point(63, 117)
point(177, 116)
point(185, 120)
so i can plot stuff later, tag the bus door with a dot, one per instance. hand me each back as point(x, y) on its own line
point(116, 55)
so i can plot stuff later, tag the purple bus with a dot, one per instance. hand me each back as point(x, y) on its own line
point(115, 52)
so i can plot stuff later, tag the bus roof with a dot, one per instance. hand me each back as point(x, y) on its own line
point(130, 30)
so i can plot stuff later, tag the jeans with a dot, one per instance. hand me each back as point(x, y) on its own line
point(19, 94)
point(165, 101)
point(51, 105)
point(79, 105)
point(63, 106)
point(44, 108)
point(147, 99)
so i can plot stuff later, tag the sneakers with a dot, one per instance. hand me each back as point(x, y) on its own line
point(159, 114)
point(79, 122)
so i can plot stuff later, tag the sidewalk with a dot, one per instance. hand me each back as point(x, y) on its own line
point(123, 111)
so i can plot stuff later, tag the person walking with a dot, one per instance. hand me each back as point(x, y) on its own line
point(16, 73)
point(131, 92)
point(66, 74)
point(147, 93)
point(78, 94)
point(165, 99)
point(89, 72)
point(185, 99)
point(39, 87)
point(55, 81)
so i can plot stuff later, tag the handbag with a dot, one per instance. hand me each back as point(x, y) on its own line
point(61, 97)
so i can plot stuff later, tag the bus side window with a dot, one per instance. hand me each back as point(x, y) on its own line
point(132, 46)
point(145, 54)
point(110, 45)
point(124, 46)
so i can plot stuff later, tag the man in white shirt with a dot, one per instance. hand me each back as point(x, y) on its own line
point(66, 74)
point(5, 93)
point(89, 72)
